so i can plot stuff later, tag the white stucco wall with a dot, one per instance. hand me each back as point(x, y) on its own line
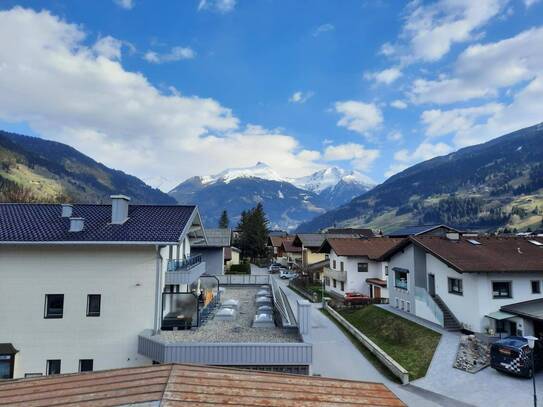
point(404, 259)
point(125, 279)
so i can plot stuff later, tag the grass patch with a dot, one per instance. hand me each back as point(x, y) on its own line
point(370, 357)
point(408, 343)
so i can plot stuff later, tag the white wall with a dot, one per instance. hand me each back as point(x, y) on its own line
point(123, 276)
point(404, 259)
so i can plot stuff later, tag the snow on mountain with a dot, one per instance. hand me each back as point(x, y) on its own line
point(260, 170)
point(330, 177)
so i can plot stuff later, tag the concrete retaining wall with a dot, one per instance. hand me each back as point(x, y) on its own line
point(396, 369)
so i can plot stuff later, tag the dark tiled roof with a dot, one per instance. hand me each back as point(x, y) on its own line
point(372, 248)
point(217, 237)
point(493, 254)
point(186, 385)
point(43, 223)
point(315, 240)
point(275, 241)
point(418, 230)
point(289, 247)
point(351, 231)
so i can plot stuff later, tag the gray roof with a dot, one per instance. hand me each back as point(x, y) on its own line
point(218, 238)
point(531, 309)
point(418, 230)
point(42, 223)
point(316, 239)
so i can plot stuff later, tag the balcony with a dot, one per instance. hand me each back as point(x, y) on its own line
point(185, 271)
point(335, 274)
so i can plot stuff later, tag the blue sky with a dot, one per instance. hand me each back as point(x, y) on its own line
point(170, 89)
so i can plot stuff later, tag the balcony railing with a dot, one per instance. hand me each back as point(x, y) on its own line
point(184, 264)
point(422, 295)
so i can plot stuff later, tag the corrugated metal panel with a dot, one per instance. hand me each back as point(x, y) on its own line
point(226, 354)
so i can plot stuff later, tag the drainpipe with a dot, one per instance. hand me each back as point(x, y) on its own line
point(158, 291)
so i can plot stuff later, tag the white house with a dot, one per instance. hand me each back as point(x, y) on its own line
point(480, 284)
point(356, 265)
point(79, 283)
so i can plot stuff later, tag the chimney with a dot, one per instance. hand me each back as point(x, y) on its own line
point(453, 236)
point(67, 210)
point(76, 224)
point(119, 209)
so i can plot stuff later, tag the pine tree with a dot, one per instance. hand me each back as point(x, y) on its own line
point(224, 222)
point(253, 232)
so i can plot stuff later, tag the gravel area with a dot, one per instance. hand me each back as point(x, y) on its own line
point(240, 330)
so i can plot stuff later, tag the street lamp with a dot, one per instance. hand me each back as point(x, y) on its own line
point(531, 345)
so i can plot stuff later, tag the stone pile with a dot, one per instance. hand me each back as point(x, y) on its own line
point(473, 354)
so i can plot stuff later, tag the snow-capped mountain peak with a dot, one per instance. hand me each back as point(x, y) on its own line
point(330, 177)
point(260, 170)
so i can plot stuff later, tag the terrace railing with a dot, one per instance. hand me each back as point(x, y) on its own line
point(184, 264)
point(422, 295)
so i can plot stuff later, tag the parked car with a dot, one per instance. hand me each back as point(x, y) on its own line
point(274, 268)
point(287, 274)
point(512, 355)
point(356, 299)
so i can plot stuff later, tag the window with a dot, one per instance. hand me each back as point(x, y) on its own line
point(53, 366)
point(501, 289)
point(341, 266)
point(93, 305)
point(362, 267)
point(401, 279)
point(6, 366)
point(334, 264)
point(327, 281)
point(408, 306)
point(342, 286)
point(334, 282)
point(386, 271)
point(85, 365)
point(536, 287)
point(455, 286)
point(54, 305)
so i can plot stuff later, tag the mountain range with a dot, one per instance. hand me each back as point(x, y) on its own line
point(498, 184)
point(287, 201)
point(37, 170)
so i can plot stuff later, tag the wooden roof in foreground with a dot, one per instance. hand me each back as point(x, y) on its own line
point(191, 385)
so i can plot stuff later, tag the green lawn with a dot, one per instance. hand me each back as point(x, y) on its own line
point(409, 344)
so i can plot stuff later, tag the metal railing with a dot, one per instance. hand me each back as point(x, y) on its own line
point(184, 264)
point(243, 279)
point(280, 300)
point(422, 295)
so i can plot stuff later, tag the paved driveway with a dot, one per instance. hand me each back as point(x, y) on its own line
point(335, 356)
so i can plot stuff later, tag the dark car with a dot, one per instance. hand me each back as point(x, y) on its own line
point(513, 355)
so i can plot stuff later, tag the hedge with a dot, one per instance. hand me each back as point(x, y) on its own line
point(244, 268)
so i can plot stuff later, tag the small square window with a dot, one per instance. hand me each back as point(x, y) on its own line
point(93, 305)
point(455, 286)
point(54, 305)
point(53, 366)
point(501, 289)
point(362, 267)
point(85, 365)
point(536, 287)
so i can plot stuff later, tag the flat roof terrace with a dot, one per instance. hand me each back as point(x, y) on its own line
point(238, 330)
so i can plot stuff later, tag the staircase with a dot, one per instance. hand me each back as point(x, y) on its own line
point(450, 323)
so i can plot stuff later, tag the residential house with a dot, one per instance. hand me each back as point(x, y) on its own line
point(291, 255)
point(482, 284)
point(79, 283)
point(214, 250)
point(192, 385)
point(356, 265)
point(427, 230)
point(93, 287)
point(231, 256)
point(274, 245)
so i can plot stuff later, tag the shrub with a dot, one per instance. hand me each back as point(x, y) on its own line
point(244, 268)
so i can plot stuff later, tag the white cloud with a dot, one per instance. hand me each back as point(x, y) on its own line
point(360, 157)
point(395, 136)
point(398, 104)
point(175, 54)
point(359, 117)
point(431, 29)
point(386, 76)
point(530, 3)
point(323, 28)
point(108, 47)
point(483, 69)
point(440, 123)
point(300, 97)
point(405, 158)
point(220, 6)
point(64, 91)
point(126, 4)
